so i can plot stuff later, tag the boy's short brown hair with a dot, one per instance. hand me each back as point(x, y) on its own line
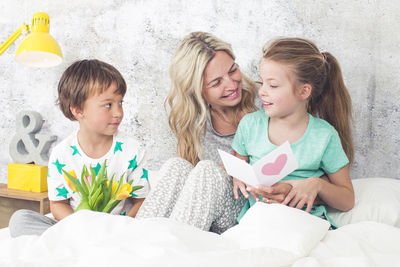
point(83, 79)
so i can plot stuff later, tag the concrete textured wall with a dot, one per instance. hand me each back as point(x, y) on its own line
point(139, 38)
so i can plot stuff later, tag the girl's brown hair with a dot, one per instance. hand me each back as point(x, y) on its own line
point(329, 98)
point(84, 78)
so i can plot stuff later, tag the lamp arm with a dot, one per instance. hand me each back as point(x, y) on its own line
point(13, 37)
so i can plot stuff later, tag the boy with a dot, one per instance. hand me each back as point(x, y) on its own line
point(91, 92)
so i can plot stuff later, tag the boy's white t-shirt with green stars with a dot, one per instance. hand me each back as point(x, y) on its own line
point(125, 156)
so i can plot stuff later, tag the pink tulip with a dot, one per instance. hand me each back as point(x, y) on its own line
point(89, 179)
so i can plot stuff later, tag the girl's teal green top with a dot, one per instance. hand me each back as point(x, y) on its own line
point(317, 152)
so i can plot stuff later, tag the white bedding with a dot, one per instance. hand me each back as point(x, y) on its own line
point(97, 239)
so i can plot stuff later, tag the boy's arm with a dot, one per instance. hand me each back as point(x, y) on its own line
point(60, 209)
point(137, 202)
point(140, 176)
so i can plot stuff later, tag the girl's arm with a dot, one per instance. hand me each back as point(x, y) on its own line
point(337, 192)
point(318, 200)
point(275, 193)
point(239, 185)
point(272, 194)
point(60, 209)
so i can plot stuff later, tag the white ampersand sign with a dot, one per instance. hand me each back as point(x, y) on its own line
point(27, 145)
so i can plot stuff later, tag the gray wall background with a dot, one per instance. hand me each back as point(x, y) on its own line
point(139, 38)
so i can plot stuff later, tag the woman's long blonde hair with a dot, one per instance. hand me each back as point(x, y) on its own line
point(329, 98)
point(188, 109)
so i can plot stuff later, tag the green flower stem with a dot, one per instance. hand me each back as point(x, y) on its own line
point(84, 205)
point(111, 205)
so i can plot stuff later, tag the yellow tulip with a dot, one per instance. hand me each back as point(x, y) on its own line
point(70, 184)
point(124, 192)
point(114, 187)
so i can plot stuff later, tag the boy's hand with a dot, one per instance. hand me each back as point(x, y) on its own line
point(303, 193)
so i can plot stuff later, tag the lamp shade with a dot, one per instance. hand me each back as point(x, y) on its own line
point(39, 48)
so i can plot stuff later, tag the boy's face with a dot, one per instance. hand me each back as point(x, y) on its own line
point(102, 113)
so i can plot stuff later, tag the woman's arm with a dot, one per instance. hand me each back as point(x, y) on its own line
point(60, 209)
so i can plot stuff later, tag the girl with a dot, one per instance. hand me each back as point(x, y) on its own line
point(305, 102)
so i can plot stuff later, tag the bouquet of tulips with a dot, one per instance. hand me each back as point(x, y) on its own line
point(97, 192)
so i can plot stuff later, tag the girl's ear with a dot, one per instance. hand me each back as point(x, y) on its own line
point(77, 112)
point(305, 91)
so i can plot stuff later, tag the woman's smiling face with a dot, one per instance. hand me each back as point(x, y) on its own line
point(222, 81)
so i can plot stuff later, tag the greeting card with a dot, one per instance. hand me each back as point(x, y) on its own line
point(268, 170)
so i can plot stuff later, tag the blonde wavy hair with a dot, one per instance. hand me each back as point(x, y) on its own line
point(330, 99)
point(188, 109)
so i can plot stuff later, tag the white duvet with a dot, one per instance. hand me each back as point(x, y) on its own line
point(268, 235)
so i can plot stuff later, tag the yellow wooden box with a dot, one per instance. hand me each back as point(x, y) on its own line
point(27, 177)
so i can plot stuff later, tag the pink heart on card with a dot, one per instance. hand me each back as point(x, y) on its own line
point(276, 167)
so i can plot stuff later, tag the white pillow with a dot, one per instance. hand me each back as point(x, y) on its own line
point(376, 199)
point(278, 226)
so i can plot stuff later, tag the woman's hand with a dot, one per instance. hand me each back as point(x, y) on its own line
point(303, 193)
point(272, 194)
point(239, 185)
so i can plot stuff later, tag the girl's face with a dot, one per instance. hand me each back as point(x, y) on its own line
point(277, 91)
point(222, 81)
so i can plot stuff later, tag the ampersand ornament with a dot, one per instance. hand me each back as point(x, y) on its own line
point(27, 145)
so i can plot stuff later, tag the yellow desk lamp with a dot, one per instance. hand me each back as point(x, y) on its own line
point(39, 48)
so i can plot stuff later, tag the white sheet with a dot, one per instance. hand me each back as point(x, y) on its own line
point(359, 244)
point(4, 233)
point(97, 239)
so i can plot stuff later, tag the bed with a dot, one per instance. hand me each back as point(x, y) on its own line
point(268, 235)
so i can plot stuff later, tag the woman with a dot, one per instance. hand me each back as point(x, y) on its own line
point(208, 97)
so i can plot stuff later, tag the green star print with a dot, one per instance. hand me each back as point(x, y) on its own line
point(75, 151)
point(145, 174)
point(63, 192)
point(59, 166)
point(133, 164)
point(118, 147)
point(97, 168)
